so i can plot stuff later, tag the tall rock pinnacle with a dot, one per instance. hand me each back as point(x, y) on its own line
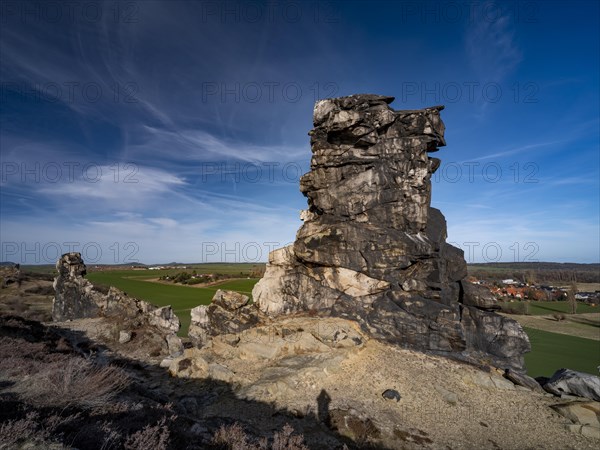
point(372, 249)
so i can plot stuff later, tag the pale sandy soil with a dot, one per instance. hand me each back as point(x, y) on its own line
point(482, 417)
point(482, 414)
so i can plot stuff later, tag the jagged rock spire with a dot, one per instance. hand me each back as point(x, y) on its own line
point(372, 249)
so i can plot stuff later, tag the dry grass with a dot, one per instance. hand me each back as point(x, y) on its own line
point(154, 437)
point(52, 396)
point(78, 383)
point(33, 429)
point(46, 375)
point(579, 325)
point(233, 437)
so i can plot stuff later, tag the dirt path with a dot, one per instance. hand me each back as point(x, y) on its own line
point(580, 325)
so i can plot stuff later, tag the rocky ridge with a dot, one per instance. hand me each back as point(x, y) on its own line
point(77, 298)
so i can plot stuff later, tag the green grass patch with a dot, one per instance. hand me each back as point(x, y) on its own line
point(552, 351)
point(244, 286)
point(181, 298)
point(545, 308)
point(45, 268)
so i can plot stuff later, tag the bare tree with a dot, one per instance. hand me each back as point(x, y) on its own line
point(530, 277)
point(571, 297)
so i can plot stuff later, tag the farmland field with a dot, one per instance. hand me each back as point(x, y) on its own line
point(551, 351)
point(580, 325)
point(181, 298)
point(543, 308)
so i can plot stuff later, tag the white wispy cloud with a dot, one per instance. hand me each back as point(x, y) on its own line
point(517, 150)
point(199, 145)
point(492, 47)
point(104, 183)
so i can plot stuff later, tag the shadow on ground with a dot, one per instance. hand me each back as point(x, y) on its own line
point(182, 413)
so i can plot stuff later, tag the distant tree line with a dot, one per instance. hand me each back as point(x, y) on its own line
point(540, 273)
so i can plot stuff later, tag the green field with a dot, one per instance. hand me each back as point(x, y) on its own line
point(552, 351)
point(544, 308)
point(181, 298)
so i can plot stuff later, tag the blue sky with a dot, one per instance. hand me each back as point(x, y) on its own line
point(159, 131)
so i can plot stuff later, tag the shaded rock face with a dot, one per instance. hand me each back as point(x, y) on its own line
point(76, 298)
point(372, 249)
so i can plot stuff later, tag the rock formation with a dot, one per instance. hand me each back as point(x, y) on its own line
point(76, 298)
point(229, 312)
point(572, 382)
point(371, 248)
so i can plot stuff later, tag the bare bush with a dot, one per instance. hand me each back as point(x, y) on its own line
point(33, 429)
point(287, 440)
point(233, 437)
point(14, 431)
point(150, 437)
point(78, 382)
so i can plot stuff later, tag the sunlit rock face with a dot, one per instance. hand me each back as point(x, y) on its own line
point(372, 249)
point(75, 297)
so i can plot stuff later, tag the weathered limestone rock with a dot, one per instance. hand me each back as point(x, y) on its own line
point(124, 337)
point(198, 331)
point(566, 381)
point(371, 248)
point(521, 379)
point(479, 297)
point(76, 298)
point(584, 415)
point(228, 313)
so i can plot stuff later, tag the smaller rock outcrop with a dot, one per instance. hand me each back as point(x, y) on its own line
point(77, 298)
point(229, 312)
point(521, 379)
point(571, 382)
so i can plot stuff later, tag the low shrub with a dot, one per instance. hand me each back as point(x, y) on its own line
point(154, 437)
point(79, 383)
point(233, 437)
